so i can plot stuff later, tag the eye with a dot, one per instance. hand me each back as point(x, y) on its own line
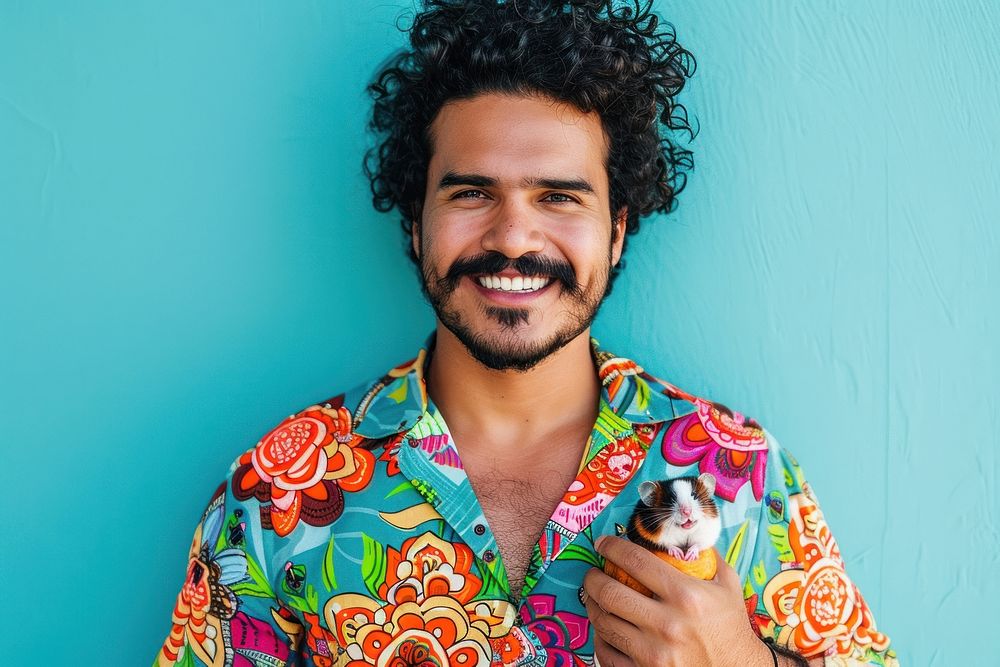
point(468, 194)
point(564, 198)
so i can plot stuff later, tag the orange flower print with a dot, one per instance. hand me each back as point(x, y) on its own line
point(817, 607)
point(514, 648)
point(601, 480)
point(300, 469)
point(427, 565)
point(435, 632)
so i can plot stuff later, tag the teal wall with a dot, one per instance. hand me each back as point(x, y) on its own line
point(188, 254)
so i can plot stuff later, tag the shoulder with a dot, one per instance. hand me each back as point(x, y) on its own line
point(300, 468)
point(727, 426)
point(379, 407)
point(725, 441)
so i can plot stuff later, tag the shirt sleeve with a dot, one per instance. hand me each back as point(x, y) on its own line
point(227, 608)
point(797, 591)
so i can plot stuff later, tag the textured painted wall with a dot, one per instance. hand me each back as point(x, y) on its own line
point(188, 254)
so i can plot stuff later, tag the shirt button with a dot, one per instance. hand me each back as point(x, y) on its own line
point(488, 556)
point(479, 529)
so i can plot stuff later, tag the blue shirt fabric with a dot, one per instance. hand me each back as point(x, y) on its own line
point(350, 535)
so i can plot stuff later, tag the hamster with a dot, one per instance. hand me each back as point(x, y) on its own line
point(678, 521)
point(678, 516)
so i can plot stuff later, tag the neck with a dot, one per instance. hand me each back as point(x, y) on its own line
point(511, 410)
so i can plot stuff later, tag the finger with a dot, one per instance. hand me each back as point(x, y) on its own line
point(617, 598)
point(649, 570)
point(608, 656)
point(617, 633)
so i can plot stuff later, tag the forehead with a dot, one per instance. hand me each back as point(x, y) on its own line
point(681, 488)
point(507, 136)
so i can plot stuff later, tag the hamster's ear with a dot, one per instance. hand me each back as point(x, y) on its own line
point(708, 479)
point(647, 493)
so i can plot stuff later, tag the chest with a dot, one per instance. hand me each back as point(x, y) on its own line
point(517, 501)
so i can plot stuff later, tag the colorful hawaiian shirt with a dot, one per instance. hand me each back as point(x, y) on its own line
point(350, 535)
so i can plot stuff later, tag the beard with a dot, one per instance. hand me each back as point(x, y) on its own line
point(504, 349)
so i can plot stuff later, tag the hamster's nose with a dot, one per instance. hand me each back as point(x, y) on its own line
point(685, 512)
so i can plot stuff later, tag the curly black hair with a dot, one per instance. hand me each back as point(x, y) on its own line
point(608, 56)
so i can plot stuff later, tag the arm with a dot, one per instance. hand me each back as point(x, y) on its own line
point(797, 589)
point(226, 605)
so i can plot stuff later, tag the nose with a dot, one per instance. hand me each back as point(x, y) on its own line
point(515, 230)
point(685, 511)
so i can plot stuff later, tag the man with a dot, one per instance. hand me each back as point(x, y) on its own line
point(457, 510)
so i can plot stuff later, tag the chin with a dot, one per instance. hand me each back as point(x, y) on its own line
point(517, 348)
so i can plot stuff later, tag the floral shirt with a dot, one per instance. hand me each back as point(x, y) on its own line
point(350, 535)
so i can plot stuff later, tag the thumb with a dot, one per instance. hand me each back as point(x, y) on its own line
point(725, 575)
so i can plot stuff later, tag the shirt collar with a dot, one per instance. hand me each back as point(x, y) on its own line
point(395, 402)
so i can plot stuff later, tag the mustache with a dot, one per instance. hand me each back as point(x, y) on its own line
point(527, 265)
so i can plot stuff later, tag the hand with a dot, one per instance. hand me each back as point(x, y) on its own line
point(688, 621)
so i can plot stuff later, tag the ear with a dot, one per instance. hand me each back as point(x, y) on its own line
point(618, 234)
point(647, 493)
point(415, 237)
point(708, 479)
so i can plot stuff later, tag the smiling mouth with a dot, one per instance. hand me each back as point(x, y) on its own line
point(517, 284)
point(688, 524)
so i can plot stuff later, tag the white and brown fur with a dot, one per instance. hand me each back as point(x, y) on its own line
point(678, 516)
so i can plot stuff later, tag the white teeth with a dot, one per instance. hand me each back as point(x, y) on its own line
point(516, 284)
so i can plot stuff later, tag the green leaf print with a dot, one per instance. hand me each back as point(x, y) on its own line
point(292, 586)
point(299, 603)
point(779, 538)
point(399, 489)
point(258, 585)
point(312, 597)
point(251, 589)
point(373, 565)
point(186, 660)
point(643, 393)
point(736, 546)
point(329, 579)
point(494, 578)
point(576, 552)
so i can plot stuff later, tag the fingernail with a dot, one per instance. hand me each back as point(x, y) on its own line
point(600, 542)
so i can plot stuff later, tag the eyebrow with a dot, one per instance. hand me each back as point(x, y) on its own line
point(452, 178)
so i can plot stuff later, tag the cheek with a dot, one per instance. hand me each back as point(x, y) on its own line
point(449, 239)
point(586, 251)
point(441, 250)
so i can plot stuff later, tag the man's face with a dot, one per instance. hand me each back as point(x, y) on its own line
point(515, 239)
